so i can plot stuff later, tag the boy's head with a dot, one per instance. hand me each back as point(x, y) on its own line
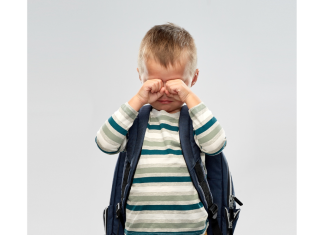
point(168, 52)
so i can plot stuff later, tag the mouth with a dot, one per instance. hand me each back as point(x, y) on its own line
point(165, 101)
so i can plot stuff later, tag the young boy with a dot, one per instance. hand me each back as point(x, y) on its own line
point(167, 69)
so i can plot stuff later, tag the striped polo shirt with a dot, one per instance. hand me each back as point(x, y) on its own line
point(162, 198)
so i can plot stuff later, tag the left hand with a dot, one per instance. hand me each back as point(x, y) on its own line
point(177, 89)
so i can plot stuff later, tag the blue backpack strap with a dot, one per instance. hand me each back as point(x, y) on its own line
point(133, 149)
point(143, 118)
point(191, 153)
point(135, 141)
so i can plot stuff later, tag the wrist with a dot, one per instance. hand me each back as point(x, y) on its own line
point(192, 100)
point(136, 102)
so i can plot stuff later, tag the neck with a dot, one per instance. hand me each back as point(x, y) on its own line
point(175, 111)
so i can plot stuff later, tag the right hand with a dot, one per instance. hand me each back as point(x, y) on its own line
point(151, 91)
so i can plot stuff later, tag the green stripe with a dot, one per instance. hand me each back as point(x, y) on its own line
point(115, 125)
point(128, 111)
point(104, 150)
point(111, 135)
point(210, 136)
point(206, 126)
point(163, 198)
point(164, 117)
point(161, 152)
point(165, 225)
point(161, 144)
point(197, 109)
point(161, 170)
point(162, 125)
point(164, 207)
point(162, 179)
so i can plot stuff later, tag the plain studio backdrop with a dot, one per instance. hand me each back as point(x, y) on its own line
point(82, 60)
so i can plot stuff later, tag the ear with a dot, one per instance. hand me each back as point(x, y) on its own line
point(139, 76)
point(195, 77)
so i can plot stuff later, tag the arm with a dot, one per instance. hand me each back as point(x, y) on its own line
point(209, 135)
point(111, 137)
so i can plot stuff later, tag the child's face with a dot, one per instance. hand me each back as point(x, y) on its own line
point(153, 70)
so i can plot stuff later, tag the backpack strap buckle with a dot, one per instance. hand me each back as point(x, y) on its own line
point(118, 210)
point(213, 209)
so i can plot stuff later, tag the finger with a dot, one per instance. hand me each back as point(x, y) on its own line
point(167, 87)
point(157, 95)
point(160, 93)
point(151, 85)
point(162, 90)
point(172, 90)
point(147, 86)
point(168, 93)
point(151, 88)
point(160, 84)
point(171, 82)
point(155, 87)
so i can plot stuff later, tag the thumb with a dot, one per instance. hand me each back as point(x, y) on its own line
point(161, 92)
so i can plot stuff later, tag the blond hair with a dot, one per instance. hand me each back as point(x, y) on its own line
point(168, 44)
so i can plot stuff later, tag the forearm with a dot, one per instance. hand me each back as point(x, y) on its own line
point(111, 137)
point(209, 134)
point(136, 103)
point(192, 100)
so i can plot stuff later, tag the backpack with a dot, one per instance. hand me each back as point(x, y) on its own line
point(215, 189)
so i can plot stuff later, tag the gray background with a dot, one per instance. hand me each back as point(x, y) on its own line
point(82, 67)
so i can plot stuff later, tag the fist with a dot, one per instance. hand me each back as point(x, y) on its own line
point(177, 89)
point(151, 91)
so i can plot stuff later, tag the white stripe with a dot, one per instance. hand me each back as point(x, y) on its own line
point(160, 134)
point(166, 220)
point(202, 118)
point(219, 135)
point(157, 113)
point(135, 203)
point(162, 160)
point(106, 145)
point(163, 189)
point(164, 193)
point(164, 122)
point(194, 214)
point(123, 145)
point(160, 139)
point(214, 147)
point(161, 165)
point(123, 119)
